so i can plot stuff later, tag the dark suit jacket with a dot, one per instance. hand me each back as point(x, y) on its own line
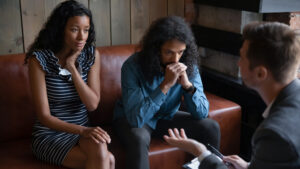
point(276, 142)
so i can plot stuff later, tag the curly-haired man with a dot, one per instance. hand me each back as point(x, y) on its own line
point(154, 81)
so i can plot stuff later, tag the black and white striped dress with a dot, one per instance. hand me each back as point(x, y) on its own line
point(50, 145)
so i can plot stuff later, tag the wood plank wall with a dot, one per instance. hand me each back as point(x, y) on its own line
point(11, 38)
point(116, 21)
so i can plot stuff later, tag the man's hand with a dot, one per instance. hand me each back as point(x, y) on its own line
point(181, 141)
point(236, 161)
point(172, 73)
point(184, 80)
point(175, 72)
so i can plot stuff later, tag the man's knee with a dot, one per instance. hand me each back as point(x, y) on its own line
point(211, 129)
point(213, 125)
point(209, 125)
point(140, 137)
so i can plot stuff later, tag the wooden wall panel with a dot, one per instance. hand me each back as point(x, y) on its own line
point(101, 17)
point(139, 19)
point(84, 2)
point(50, 5)
point(158, 9)
point(120, 22)
point(190, 11)
point(219, 18)
point(116, 21)
point(33, 15)
point(10, 27)
point(176, 7)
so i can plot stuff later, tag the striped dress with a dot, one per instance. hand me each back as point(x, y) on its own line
point(50, 145)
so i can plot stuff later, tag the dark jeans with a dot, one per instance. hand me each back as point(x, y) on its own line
point(136, 141)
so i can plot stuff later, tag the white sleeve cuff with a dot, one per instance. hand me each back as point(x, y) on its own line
point(203, 155)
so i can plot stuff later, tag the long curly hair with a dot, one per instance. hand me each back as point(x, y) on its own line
point(160, 31)
point(51, 35)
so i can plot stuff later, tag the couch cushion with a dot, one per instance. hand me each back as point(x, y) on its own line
point(228, 114)
point(18, 155)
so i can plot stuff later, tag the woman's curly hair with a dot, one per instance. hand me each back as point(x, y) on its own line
point(51, 35)
point(160, 31)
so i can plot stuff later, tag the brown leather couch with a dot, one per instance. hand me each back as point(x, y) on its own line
point(17, 115)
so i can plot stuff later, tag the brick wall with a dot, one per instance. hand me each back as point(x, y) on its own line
point(292, 19)
point(295, 20)
point(231, 21)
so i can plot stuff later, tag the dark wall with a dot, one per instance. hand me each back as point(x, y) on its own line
point(251, 103)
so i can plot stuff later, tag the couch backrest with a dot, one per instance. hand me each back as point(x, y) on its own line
point(112, 59)
point(16, 107)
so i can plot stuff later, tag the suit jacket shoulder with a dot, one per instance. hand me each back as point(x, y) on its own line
point(276, 142)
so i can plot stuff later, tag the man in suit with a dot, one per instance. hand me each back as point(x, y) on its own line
point(269, 62)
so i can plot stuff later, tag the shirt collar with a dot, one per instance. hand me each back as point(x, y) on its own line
point(267, 110)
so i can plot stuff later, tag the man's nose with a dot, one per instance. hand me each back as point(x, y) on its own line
point(176, 57)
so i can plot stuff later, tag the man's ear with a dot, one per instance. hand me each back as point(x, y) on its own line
point(261, 72)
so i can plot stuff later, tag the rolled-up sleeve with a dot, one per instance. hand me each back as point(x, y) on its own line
point(196, 103)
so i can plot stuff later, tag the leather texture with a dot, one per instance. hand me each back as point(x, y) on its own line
point(17, 115)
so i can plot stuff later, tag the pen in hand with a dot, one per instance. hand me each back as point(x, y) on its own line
point(217, 153)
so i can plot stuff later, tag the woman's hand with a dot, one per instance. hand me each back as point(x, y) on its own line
point(97, 134)
point(71, 60)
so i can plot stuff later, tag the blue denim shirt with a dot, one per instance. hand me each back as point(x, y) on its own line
point(144, 103)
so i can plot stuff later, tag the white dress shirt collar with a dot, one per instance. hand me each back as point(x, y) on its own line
point(267, 110)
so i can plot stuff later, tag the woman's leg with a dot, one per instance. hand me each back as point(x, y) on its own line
point(111, 161)
point(75, 158)
point(89, 155)
point(97, 154)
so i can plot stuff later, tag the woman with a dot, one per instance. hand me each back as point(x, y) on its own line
point(64, 70)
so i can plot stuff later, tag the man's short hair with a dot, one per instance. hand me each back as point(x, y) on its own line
point(275, 46)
